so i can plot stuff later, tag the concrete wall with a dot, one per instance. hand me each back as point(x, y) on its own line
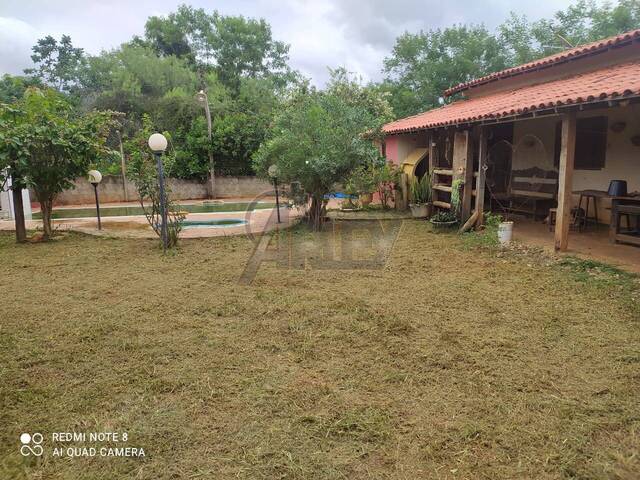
point(111, 189)
point(241, 186)
point(534, 142)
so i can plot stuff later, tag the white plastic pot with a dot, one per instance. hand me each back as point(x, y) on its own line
point(419, 210)
point(505, 233)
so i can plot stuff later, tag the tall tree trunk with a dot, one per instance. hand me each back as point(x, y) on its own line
point(46, 207)
point(18, 214)
point(315, 212)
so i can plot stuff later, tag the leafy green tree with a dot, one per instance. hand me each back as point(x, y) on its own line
point(59, 64)
point(425, 64)
point(320, 137)
point(169, 36)
point(46, 145)
point(186, 33)
point(235, 47)
point(12, 87)
point(235, 59)
point(515, 34)
point(10, 167)
point(583, 22)
point(244, 47)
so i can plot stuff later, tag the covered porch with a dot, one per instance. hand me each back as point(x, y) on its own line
point(551, 175)
point(543, 154)
point(589, 244)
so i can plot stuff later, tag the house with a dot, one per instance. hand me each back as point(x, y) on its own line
point(540, 139)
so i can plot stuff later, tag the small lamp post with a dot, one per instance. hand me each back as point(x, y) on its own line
point(158, 144)
point(95, 177)
point(273, 173)
point(203, 100)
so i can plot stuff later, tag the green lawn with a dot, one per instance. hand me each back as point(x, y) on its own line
point(450, 362)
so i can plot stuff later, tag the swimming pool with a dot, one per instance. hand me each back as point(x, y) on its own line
point(225, 222)
point(59, 213)
point(339, 195)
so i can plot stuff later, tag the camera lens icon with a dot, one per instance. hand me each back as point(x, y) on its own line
point(31, 444)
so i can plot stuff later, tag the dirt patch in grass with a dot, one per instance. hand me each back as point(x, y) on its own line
point(448, 362)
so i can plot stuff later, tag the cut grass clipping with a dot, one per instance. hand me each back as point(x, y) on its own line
point(446, 362)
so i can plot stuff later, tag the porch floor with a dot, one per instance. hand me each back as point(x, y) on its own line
point(591, 243)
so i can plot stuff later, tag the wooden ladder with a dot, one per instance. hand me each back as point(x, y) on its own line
point(441, 187)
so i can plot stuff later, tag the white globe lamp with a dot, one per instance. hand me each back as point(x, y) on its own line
point(157, 143)
point(95, 176)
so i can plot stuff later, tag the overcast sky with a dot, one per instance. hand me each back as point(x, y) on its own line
point(356, 34)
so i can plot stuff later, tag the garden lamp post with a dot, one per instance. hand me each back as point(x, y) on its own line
point(158, 144)
point(203, 99)
point(273, 173)
point(95, 177)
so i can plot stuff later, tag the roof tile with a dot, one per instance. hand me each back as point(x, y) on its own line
point(610, 82)
point(579, 51)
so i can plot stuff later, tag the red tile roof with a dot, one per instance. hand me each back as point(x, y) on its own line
point(610, 82)
point(570, 54)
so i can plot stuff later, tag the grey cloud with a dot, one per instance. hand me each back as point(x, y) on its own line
point(356, 34)
point(16, 39)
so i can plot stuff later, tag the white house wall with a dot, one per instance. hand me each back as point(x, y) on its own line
point(622, 161)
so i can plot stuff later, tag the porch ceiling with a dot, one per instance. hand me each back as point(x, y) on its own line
point(622, 80)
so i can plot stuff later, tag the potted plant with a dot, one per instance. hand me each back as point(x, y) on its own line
point(350, 202)
point(420, 191)
point(362, 181)
point(444, 220)
point(365, 198)
point(385, 179)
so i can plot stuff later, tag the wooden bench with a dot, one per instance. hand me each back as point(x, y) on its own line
point(532, 191)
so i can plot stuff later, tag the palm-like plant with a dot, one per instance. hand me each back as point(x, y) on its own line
point(420, 190)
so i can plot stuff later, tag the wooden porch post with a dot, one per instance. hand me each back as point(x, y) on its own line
point(432, 152)
point(482, 175)
point(463, 169)
point(565, 180)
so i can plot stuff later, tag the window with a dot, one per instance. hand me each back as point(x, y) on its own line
point(591, 143)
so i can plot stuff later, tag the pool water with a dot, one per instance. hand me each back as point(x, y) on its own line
point(225, 222)
point(339, 195)
point(132, 210)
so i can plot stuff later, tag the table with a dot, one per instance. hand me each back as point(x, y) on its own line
point(589, 195)
point(629, 206)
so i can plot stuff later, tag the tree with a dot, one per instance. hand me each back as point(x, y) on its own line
point(583, 22)
point(244, 47)
point(59, 64)
point(10, 168)
point(46, 145)
point(234, 47)
point(425, 64)
point(12, 87)
point(321, 136)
